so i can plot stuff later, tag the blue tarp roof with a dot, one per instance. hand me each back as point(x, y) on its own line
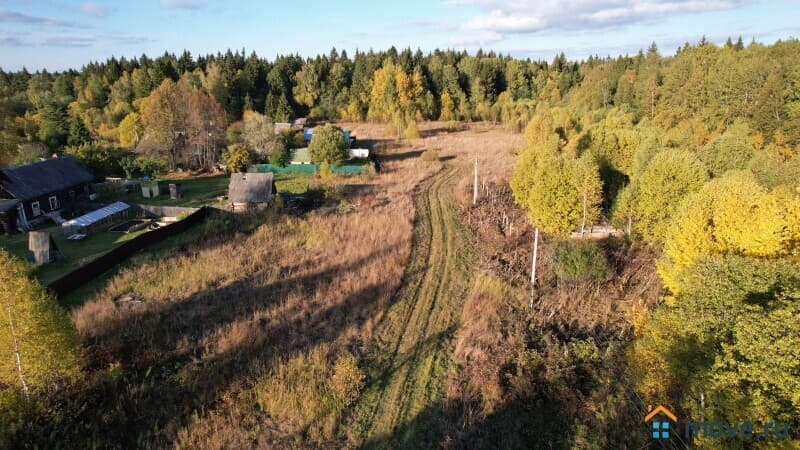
point(96, 215)
point(308, 134)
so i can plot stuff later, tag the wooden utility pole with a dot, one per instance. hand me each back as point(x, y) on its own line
point(475, 183)
point(533, 263)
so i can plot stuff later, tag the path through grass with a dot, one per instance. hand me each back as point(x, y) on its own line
point(402, 406)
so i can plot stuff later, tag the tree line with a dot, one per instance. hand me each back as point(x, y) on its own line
point(184, 107)
point(698, 157)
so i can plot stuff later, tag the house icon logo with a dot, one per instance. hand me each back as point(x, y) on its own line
point(657, 417)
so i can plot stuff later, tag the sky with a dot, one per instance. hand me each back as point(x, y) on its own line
point(61, 34)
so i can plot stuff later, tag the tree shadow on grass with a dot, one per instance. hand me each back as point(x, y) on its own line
point(167, 374)
point(524, 424)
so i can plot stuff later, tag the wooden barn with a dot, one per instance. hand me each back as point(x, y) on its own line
point(44, 187)
point(248, 191)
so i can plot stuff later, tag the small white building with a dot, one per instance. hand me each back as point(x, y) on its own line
point(359, 153)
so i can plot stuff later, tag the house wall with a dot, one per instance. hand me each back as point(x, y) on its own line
point(62, 196)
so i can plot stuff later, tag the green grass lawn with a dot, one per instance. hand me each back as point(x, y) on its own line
point(203, 191)
point(196, 192)
point(76, 253)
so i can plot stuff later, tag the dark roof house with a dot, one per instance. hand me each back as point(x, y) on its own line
point(248, 190)
point(44, 186)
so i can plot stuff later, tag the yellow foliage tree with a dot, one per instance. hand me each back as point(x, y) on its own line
point(130, 130)
point(561, 194)
point(396, 97)
point(669, 177)
point(732, 214)
point(38, 347)
point(448, 109)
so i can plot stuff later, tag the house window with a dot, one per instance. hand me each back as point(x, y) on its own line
point(36, 209)
point(53, 203)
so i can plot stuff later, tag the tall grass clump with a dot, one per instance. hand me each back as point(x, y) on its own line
point(580, 260)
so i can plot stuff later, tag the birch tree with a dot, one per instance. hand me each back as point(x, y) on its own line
point(38, 347)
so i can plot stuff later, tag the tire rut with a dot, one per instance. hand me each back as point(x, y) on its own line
point(416, 348)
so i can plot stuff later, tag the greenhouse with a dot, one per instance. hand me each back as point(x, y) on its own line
point(98, 220)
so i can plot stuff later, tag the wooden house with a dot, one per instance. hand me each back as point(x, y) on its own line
point(44, 187)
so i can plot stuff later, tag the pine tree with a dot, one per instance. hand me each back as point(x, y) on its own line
point(78, 133)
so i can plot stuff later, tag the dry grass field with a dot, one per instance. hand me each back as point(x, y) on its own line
point(236, 331)
point(393, 316)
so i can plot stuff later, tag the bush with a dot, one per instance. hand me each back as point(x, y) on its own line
point(292, 139)
point(279, 156)
point(328, 145)
point(348, 379)
point(325, 173)
point(411, 131)
point(102, 160)
point(455, 125)
point(236, 157)
point(430, 156)
point(369, 170)
point(580, 261)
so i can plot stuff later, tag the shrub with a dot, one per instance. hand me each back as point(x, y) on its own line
point(369, 170)
point(151, 167)
point(328, 145)
point(411, 131)
point(455, 125)
point(325, 173)
point(236, 157)
point(102, 160)
point(430, 156)
point(348, 379)
point(279, 156)
point(580, 260)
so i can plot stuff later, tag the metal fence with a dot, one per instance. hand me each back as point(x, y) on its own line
point(347, 169)
point(97, 267)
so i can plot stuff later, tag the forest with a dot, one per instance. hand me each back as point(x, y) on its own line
point(693, 156)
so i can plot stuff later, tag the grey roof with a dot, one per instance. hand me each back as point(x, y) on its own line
point(6, 204)
point(250, 187)
point(96, 215)
point(36, 179)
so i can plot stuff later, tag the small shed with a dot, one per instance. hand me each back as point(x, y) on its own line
point(98, 220)
point(42, 249)
point(359, 153)
point(251, 190)
point(150, 188)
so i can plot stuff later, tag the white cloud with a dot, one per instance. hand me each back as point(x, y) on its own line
point(8, 16)
point(94, 9)
point(531, 16)
point(183, 4)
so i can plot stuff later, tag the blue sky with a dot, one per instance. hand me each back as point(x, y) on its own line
point(59, 34)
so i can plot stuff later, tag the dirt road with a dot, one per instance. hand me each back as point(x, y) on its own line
point(404, 402)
